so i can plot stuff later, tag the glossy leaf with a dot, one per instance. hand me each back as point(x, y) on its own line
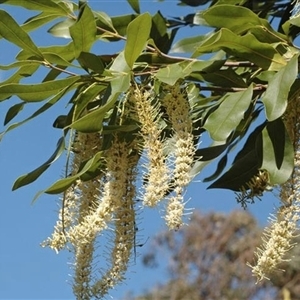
point(83, 32)
point(276, 96)
point(135, 5)
point(228, 115)
point(36, 92)
point(62, 184)
point(138, 32)
point(245, 47)
point(35, 174)
point(12, 32)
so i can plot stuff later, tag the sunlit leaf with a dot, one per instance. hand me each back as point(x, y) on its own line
point(39, 20)
point(135, 5)
point(62, 28)
point(12, 32)
point(138, 32)
point(276, 96)
point(228, 115)
point(245, 47)
point(35, 174)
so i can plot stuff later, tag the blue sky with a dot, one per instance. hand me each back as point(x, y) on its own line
point(28, 271)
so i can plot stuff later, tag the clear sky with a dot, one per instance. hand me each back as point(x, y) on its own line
point(28, 271)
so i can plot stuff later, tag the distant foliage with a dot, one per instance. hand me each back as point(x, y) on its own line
point(137, 116)
point(207, 260)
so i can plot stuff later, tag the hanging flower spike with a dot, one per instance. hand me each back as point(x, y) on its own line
point(178, 111)
point(157, 170)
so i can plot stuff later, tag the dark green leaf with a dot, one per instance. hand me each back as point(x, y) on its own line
point(90, 61)
point(228, 115)
point(220, 167)
point(240, 173)
point(276, 96)
point(138, 32)
point(12, 32)
point(269, 159)
point(35, 174)
point(13, 111)
point(83, 32)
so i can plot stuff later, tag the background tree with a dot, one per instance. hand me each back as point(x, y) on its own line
point(237, 84)
point(207, 260)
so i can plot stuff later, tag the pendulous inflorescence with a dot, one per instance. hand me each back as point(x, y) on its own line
point(106, 202)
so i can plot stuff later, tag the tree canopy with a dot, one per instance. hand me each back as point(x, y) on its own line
point(136, 117)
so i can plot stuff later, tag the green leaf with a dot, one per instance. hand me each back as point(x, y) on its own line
point(135, 5)
point(12, 32)
point(90, 61)
point(92, 122)
point(236, 18)
point(24, 71)
point(189, 44)
point(36, 92)
point(220, 167)
point(83, 32)
point(272, 155)
point(239, 173)
point(62, 184)
point(42, 5)
point(276, 96)
point(39, 20)
point(21, 63)
point(62, 28)
point(13, 111)
point(35, 174)
point(245, 47)
point(228, 115)
point(65, 52)
point(42, 109)
point(170, 74)
point(138, 32)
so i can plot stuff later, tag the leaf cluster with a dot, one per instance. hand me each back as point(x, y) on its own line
point(238, 79)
